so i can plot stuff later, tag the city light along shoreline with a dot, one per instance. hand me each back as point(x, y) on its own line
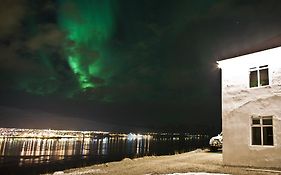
point(57, 134)
point(51, 133)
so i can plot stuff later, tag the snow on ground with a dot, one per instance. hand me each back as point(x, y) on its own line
point(200, 173)
point(199, 162)
point(82, 172)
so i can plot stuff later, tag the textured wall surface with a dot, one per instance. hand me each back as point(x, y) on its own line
point(240, 103)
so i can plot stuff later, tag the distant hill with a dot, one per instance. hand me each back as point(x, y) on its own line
point(21, 118)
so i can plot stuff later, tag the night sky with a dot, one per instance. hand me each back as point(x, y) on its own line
point(123, 65)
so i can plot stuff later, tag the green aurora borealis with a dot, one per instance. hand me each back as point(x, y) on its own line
point(89, 26)
point(118, 50)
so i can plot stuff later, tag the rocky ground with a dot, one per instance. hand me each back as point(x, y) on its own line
point(189, 163)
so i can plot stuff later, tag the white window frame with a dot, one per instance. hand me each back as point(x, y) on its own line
point(261, 125)
point(258, 69)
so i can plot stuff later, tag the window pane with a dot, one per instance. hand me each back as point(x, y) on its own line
point(264, 77)
point(267, 121)
point(253, 79)
point(256, 121)
point(267, 136)
point(256, 136)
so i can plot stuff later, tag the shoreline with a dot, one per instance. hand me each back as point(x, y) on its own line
point(194, 161)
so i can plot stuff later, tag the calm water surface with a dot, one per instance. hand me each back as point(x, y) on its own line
point(35, 156)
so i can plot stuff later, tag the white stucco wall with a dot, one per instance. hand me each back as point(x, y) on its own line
point(239, 103)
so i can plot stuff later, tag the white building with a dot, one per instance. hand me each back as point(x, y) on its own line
point(251, 109)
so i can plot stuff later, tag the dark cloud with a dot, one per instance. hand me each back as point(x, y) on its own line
point(70, 10)
point(11, 16)
point(48, 35)
point(11, 60)
point(19, 46)
point(32, 49)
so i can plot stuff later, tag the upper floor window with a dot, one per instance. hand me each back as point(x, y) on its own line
point(259, 76)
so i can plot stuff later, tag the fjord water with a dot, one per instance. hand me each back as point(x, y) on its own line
point(35, 155)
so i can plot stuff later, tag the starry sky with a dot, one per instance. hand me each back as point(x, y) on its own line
point(124, 65)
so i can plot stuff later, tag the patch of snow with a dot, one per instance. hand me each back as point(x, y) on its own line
point(195, 173)
point(83, 172)
point(58, 172)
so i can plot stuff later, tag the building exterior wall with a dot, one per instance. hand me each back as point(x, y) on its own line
point(240, 103)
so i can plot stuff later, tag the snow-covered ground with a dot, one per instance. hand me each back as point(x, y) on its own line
point(199, 162)
point(193, 173)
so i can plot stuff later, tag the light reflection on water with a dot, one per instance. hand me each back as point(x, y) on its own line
point(23, 155)
point(36, 150)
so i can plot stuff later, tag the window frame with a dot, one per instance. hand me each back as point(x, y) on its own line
point(261, 126)
point(258, 69)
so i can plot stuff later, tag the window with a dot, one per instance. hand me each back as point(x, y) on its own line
point(259, 76)
point(262, 131)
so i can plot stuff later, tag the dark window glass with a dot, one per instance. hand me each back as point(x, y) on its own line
point(256, 136)
point(267, 136)
point(264, 77)
point(256, 121)
point(267, 121)
point(254, 79)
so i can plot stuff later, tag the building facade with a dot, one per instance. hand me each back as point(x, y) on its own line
point(251, 109)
